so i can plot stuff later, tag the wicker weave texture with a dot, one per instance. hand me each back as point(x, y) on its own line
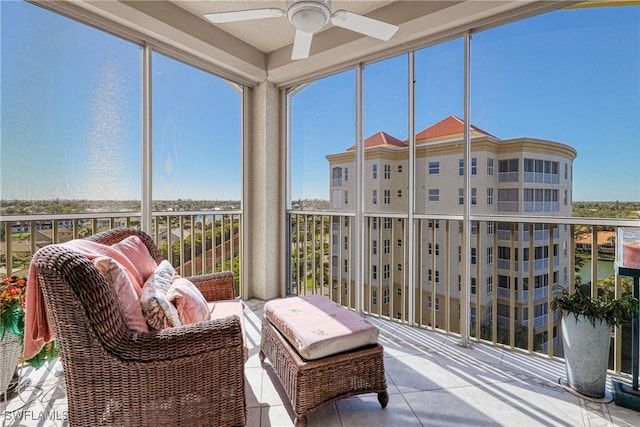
point(312, 384)
point(186, 376)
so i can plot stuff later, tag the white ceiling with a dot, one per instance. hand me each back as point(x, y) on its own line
point(253, 51)
point(267, 34)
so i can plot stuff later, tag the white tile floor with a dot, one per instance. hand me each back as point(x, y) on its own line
point(432, 381)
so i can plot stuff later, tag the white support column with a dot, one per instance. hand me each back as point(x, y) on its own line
point(414, 284)
point(465, 294)
point(360, 223)
point(262, 192)
point(146, 203)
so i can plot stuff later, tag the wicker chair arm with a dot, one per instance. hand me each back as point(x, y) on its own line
point(215, 286)
point(174, 343)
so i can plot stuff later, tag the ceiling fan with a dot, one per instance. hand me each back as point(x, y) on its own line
point(309, 17)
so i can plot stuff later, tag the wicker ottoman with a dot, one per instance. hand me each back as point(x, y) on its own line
point(319, 378)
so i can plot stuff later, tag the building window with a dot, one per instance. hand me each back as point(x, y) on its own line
point(508, 199)
point(385, 271)
point(399, 168)
point(374, 196)
point(386, 297)
point(541, 171)
point(489, 228)
point(434, 195)
point(473, 256)
point(437, 249)
point(387, 171)
point(337, 199)
point(430, 249)
point(387, 223)
point(540, 200)
point(336, 176)
point(374, 247)
point(566, 171)
point(346, 221)
point(346, 197)
point(461, 196)
point(459, 254)
point(508, 170)
point(437, 276)
point(346, 174)
point(374, 297)
point(346, 289)
point(346, 242)
point(399, 291)
point(386, 246)
point(374, 223)
point(399, 269)
point(474, 228)
point(490, 255)
point(474, 196)
point(346, 266)
point(489, 285)
point(399, 243)
point(473, 286)
point(489, 196)
point(387, 197)
point(474, 166)
point(399, 194)
point(375, 171)
point(434, 168)
point(429, 275)
point(490, 167)
point(374, 272)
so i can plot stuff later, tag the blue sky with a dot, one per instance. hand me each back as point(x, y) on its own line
point(70, 105)
point(71, 117)
point(569, 76)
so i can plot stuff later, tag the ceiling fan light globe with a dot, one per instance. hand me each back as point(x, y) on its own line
point(309, 16)
point(309, 21)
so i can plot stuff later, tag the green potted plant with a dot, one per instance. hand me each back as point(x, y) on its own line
point(586, 332)
point(12, 302)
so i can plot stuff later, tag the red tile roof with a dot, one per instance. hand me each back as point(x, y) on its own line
point(380, 139)
point(604, 237)
point(452, 125)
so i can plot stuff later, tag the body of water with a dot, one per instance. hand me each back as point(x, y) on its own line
point(605, 269)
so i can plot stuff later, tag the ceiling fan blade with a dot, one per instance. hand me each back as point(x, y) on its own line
point(362, 24)
point(301, 45)
point(243, 15)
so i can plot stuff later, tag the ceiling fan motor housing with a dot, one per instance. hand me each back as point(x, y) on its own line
point(309, 16)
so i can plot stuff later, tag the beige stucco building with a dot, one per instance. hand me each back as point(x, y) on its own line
point(512, 177)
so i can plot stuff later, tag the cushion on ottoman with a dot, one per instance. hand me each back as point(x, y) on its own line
point(318, 327)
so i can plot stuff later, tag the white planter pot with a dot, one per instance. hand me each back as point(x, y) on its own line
point(586, 353)
point(10, 350)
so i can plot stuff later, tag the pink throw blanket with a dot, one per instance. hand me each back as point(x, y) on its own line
point(38, 329)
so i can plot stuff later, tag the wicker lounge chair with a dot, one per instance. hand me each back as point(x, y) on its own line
point(189, 375)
